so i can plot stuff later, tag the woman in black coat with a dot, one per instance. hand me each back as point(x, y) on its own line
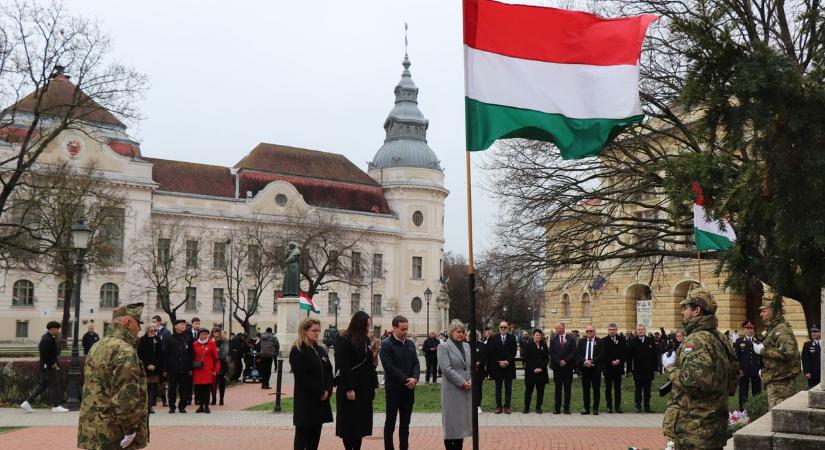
point(481, 369)
point(536, 358)
point(149, 352)
point(357, 381)
point(313, 385)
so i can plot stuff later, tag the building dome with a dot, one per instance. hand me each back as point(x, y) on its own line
point(406, 128)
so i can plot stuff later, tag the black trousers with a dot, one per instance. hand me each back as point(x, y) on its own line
point(352, 443)
point(453, 444)
point(814, 379)
point(266, 370)
point(218, 387)
point(563, 381)
point(399, 403)
point(508, 392)
point(202, 394)
point(237, 361)
point(641, 392)
point(528, 393)
point(755, 383)
point(613, 386)
point(152, 390)
point(180, 386)
point(432, 368)
point(591, 381)
point(307, 438)
point(48, 380)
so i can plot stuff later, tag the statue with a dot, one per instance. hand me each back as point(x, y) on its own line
point(292, 283)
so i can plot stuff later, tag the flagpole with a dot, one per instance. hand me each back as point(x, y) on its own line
point(471, 281)
point(699, 264)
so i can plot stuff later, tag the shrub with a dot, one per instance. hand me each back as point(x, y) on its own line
point(757, 405)
point(18, 378)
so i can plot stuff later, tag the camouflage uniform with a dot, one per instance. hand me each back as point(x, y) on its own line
point(697, 412)
point(115, 401)
point(780, 363)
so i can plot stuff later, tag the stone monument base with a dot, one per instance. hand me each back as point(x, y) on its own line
point(798, 423)
point(289, 316)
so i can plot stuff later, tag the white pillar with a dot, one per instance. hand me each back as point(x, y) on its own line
point(289, 316)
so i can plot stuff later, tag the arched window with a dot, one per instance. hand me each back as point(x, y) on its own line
point(109, 295)
point(23, 293)
point(61, 294)
point(416, 304)
point(586, 305)
point(565, 305)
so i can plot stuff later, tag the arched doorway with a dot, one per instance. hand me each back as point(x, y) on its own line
point(640, 299)
point(680, 291)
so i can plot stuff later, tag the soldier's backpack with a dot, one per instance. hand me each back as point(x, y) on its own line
point(734, 373)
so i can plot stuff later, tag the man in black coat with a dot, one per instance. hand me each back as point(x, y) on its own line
point(501, 364)
point(90, 339)
point(590, 359)
point(178, 366)
point(429, 348)
point(811, 357)
point(399, 358)
point(49, 353)
point(749, 363)
point(641, 362)
point(615, 350)
point(562, 361)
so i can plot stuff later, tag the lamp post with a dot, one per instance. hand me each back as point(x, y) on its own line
point(336, 303)
point(427, 295)
point(80, 240)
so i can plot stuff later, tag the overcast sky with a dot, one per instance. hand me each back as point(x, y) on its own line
point(225, 76)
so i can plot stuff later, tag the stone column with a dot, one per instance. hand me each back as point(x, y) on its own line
point(289, 316)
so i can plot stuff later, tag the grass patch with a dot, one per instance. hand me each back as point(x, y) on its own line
point(9, 429)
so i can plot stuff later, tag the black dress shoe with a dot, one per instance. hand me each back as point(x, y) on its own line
point(557, 412)
point(619, 411)
point(567, 411)
point(595, 412)
point(171, 410)
point(638, 410)
point(538, 411)
point(526, 411)
point(610, 410)
point(585, 413)
point(648, 410)
point(182, 410)
point(206, 410)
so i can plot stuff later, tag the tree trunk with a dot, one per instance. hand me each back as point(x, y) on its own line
point(812, 306)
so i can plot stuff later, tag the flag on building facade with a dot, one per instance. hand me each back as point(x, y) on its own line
point(709, 234)
point(549, 74)
point(307, 304)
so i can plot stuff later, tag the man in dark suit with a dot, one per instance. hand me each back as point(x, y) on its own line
point(641, 362)
point(589, 359)
point(811, 357)
point(501, 364)
point(562, 361)
point(749, 363)
point(614, 349)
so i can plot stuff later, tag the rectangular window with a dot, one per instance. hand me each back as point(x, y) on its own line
point(355, 302)
point(376, 305)
point(378, 265)
point(253, 258)
point(219, 255)
point(356, 264)
point(191, 299)
point(332, 303)
point(22, 329)
point(217, 300)
point(278, 295)
point(162, 299)
point(164, 251)
point(191, 254)
point(250, 297)
point(416, 268)
point(61, 294)
point(113, 222)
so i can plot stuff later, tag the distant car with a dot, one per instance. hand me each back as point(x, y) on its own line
point(329, 336)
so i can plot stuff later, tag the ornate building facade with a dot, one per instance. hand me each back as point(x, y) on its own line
point(397, 204)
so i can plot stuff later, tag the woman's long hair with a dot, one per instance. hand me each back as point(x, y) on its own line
point(306, 324)
point(357, 329)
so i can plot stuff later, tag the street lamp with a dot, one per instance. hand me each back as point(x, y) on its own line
point(336, 302)
point(427, 295)
point(80, 240)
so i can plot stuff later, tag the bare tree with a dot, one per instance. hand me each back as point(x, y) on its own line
point(37, 44)
point(167, 255)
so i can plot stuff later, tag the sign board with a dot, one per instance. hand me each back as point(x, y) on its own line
point(644, 313)
point(532, 324)
point(554, 310)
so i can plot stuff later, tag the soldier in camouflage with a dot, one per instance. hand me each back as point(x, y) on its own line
point(700, 371)
point(114, 413)
point(779, 350)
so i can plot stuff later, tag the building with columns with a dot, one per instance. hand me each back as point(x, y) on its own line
point(398, 204)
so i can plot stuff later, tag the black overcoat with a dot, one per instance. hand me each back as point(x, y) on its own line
point(313, 376)
point(353, 363)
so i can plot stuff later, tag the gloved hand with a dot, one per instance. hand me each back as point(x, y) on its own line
point(127, 440)
point(757, 348)
point(668, 359)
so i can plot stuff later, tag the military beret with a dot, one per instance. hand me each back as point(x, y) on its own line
point(133, 309)
point(702, 298)
point(748, 323)
point(179, 321)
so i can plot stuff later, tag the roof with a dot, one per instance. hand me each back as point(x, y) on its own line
point(301, 162)
point(60, 97)
point(192, 178)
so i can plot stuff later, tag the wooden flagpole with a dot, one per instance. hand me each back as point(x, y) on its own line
point(471, 281)
point(699, 264)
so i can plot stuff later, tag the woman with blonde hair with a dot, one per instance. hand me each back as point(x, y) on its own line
point(456, 387)
point(312, 371)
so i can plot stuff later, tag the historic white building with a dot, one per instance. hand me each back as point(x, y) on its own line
point(398, 202)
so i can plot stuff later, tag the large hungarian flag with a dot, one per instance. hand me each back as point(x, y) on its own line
point(549, 74)
point(307, 304)
point(709, 234)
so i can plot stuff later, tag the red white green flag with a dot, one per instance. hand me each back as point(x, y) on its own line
point(709, 234)
point(307, 304)
point(549, 74)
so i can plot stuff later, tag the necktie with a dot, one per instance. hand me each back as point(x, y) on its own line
point(562, 340)
point(589, 349)
point(503, 339)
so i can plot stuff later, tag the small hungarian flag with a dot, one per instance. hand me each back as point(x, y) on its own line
point(307, 304)
point(548, 74)
point(708, 233)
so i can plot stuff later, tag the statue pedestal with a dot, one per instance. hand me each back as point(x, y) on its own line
point(289, 316)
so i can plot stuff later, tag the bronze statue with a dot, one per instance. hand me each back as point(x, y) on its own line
point(292, 280)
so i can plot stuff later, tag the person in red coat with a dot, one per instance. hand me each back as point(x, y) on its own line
point(205, 366)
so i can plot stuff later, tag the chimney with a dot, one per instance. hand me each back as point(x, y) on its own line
point(58, 72)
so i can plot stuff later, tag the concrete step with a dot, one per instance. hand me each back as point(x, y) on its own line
point(795, 416)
